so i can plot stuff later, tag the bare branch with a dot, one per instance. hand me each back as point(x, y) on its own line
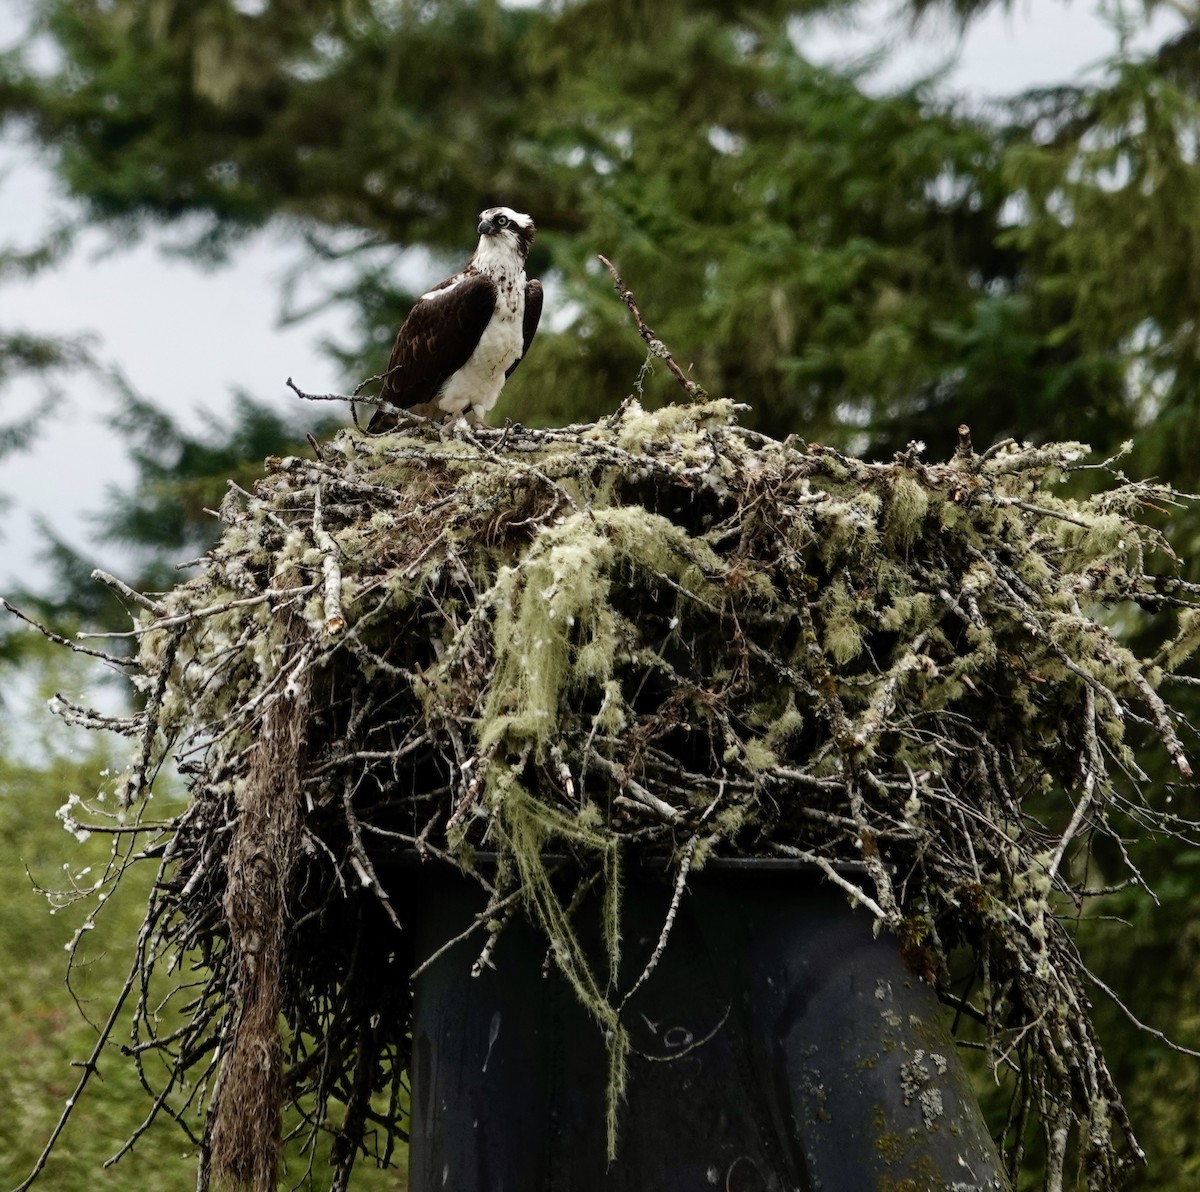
point(656, 345)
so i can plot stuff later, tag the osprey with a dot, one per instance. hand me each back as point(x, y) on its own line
point(465, 337)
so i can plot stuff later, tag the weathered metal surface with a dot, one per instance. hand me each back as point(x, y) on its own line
point(778, 1047)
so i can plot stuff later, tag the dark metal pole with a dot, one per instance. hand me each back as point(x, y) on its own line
point(779, 1047)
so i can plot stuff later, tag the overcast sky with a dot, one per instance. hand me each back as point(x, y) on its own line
point(187, 338)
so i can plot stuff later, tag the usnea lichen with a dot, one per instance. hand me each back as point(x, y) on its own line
point(659, 634)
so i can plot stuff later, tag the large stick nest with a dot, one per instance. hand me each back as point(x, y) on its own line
point(661, 634)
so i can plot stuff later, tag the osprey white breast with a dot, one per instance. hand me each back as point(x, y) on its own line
point(477, 385)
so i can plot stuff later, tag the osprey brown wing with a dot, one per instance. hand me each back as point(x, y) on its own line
point(533, 314)
point(437, 339)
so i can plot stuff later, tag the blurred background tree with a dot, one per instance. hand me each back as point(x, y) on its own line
point(862, 267)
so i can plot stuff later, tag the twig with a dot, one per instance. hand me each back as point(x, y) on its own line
point(639, 792)
point(126, 592)
point(480, 920)
point(90, 1067)
point(59, 640)
point(857, 893)
point(83, 717)
point(359, 859)
point(484, 959)
point(694, 1045)
point(211, 610)
point(656, 345)
point(331, 568)
point(300, 393)
point(685, 866)
point(1093, 776)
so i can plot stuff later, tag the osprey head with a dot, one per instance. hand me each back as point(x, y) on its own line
point(503, 225)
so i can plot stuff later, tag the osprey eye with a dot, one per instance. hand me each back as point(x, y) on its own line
point(502, 221)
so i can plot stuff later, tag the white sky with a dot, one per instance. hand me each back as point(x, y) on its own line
point(187, 338)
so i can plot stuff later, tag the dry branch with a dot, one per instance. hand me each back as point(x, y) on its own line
point(656, 345)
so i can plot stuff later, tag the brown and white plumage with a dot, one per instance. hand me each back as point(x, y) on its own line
point(465, 337)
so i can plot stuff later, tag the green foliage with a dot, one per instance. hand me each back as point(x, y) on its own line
point(42, 1030)
point(43, 358)
point(23, 354)
point(1112, 234)
point(48, 1018)
point(170, 514)
point(182, 478)
point(1152, 964)
point(863, 268)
